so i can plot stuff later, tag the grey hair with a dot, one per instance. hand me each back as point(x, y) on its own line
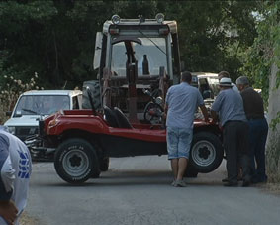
point(242, 80)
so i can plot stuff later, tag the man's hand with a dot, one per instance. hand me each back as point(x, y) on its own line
point(214, 116)
point(205, 113)
point(8, 211)
point(164, 116)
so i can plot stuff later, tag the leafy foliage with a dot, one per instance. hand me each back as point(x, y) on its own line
point(211, 33)
point(265, 51)
point(11, 89)
point(56, 38)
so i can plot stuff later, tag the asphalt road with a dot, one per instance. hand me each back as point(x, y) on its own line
point(137, 191)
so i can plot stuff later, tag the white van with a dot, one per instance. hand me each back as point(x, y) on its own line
point(34, 104)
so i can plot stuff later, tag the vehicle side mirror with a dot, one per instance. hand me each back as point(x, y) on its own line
point(206, 94)
point(8, 113)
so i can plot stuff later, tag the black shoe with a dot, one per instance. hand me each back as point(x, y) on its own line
point(225, 180)
point(255, 180)
point(239, 179)
point(231, 184)
point(246, 183)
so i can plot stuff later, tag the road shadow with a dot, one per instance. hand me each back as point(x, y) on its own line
point(138, 177)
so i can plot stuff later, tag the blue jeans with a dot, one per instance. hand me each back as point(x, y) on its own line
point(178, 142)
point(258, 129)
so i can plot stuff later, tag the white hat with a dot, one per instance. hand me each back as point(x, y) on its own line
point(226, 82)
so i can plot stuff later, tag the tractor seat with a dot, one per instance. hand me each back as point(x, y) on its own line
point(110, 117)
point(122, 120)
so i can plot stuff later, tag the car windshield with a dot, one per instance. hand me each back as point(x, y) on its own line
point(41, 104)
point(153, 48)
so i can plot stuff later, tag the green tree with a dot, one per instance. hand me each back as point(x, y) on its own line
point(212, 33)
point(261, 64)
point(56, 38)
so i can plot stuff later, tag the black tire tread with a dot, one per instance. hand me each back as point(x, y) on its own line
point(94, 87)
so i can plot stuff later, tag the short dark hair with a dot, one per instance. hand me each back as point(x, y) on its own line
point(223, 74)
point(186, 76)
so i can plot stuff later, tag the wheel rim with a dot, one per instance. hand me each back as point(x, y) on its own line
point(203, 153)
point(75, 163)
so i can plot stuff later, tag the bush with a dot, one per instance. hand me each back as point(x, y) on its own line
point(11, 89)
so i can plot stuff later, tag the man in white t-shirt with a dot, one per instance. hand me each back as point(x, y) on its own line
point(181, 102)
point(15, 171)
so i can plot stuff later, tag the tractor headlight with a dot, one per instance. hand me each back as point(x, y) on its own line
point(159, 18)
point(116, 19)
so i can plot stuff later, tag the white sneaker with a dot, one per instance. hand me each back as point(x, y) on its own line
point(180, 183)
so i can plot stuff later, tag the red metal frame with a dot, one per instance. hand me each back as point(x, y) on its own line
point(85, 120)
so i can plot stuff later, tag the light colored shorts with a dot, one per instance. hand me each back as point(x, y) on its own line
point(178, 142)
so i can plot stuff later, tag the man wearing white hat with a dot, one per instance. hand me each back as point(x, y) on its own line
point(229, 106)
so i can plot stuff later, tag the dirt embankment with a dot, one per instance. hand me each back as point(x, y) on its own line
point(28, 220)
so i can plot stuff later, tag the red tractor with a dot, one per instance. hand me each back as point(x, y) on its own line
point(132, 55)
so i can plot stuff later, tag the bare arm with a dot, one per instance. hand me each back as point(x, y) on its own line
point(214, 116)
point(165, 110)
point(204, 112)
point(8, 211)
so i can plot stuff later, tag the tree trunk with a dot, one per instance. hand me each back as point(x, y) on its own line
point(273, 139)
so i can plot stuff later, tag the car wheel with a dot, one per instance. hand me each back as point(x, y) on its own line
point(76, 160)
point(206, 153)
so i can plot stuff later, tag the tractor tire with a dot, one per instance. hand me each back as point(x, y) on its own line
point(190, 172)
point(206, 152)
point(76, 161)
point(94, 88)
point(104, 164)
point(96, 174)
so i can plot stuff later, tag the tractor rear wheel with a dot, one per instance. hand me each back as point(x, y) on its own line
point(94, 88)
point(104, 164)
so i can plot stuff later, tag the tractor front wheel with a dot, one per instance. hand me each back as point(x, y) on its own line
point(76, 160)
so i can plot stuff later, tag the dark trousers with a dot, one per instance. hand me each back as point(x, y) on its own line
point(258, 129)
point(236, 143)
